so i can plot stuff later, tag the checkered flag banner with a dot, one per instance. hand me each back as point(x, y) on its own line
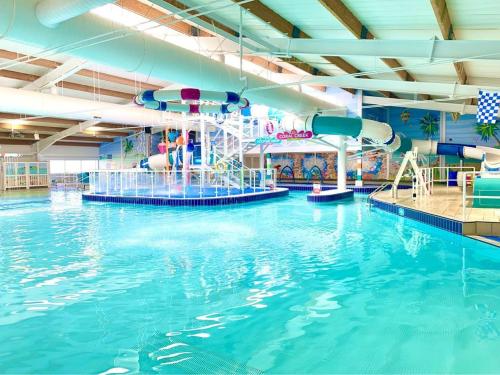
point(487, 107)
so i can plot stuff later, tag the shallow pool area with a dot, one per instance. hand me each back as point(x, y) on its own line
point(279, 286)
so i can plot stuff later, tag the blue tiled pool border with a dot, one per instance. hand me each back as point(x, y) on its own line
point(187, 202)
point(357, 189)
point(424, 217)
point(318, 198)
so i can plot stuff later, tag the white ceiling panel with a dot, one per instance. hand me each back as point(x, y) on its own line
point(474, 14)
point(391, 14)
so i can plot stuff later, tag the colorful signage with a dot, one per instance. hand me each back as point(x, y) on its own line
point(294, 135)
point(269, 128)
point(267, 140)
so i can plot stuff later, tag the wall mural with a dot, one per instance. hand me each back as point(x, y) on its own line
point(323, 166)
point(424, 124)
point(123, 153)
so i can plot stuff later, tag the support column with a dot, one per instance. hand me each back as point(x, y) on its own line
point(261, 148)
point(359, 166)
point(240, 153)
point(203, 150)
point(203, 143)
point(442, 138)
point(341, 165)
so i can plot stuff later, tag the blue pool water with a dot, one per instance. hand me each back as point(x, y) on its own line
point(281, 286)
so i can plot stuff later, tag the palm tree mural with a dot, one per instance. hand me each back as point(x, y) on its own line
point(488, 131)
point(128, 146)
point(429, 125)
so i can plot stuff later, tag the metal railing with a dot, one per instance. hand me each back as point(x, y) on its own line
point(70, 181)
point(181, 184)
point(378, 189)
point(433, 175)
point(446, 171)
point(24, 175)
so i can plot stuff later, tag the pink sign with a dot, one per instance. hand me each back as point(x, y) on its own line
point(294, 135)
point(269, 128)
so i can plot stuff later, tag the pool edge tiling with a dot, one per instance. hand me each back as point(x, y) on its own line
point(331, 195)
point(367, 189)
point(188, 202)
point(450, 225)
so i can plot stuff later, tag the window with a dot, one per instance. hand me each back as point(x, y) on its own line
point(56, 166)
point(89, 165)
point(72, 166)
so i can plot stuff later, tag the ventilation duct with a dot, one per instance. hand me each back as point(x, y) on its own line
point(139, 52)
point(52, 12)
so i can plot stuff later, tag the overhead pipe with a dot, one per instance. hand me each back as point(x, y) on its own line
point(425, 104)
point(383, 48)
point(409, 87)
point(52, 12)
point(141, 53)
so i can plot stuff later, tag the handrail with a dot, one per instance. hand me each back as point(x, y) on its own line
point(378, 189)
point(142, 182)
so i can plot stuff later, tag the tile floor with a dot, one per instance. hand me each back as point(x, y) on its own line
point(445, 202)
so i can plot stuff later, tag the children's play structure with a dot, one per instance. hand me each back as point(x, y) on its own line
point(202, 152)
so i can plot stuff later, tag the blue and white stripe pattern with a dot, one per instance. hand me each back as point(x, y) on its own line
point(487, 107)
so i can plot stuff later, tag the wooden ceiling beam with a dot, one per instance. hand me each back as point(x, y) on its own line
point(76, 144)
point(266, 14)
point(14, 141)
point(31, 128)
point(70, 138)
point(443, 19)
point(50, 129)
point(185, 28)
point(170, 21)
point(51, 121)
point(181, 6)
point(67, 85)
point(49, 64)
point(343, 14)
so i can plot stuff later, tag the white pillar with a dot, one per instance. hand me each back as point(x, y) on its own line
point(203, 143)
point(341, 165)
point(240, 151)
point(261, 147)
point(442, 138)
point(359, 165)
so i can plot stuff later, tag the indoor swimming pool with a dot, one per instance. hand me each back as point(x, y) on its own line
point(282, 286)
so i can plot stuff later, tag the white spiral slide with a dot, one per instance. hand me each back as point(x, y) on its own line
point(382, 133)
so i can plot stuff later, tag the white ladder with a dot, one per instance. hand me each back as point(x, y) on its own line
point(410, 158)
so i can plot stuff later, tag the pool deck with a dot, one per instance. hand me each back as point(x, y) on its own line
point(446, 203)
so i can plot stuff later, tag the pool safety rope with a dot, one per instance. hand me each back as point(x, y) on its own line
point(161, 100)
